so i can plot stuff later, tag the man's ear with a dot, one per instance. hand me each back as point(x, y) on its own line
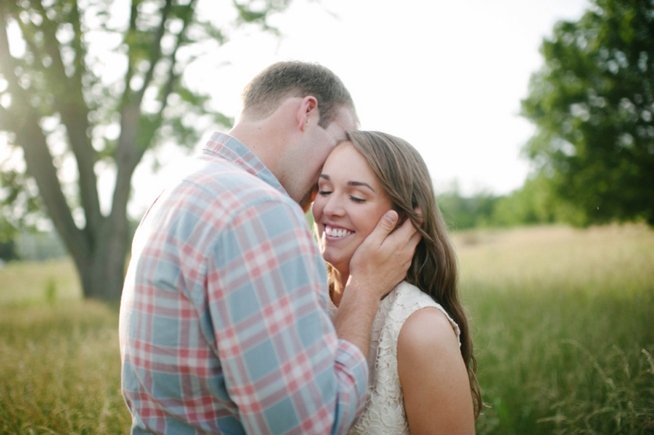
point(308, 109)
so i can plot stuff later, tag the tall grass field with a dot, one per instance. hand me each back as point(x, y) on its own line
point(562, 320)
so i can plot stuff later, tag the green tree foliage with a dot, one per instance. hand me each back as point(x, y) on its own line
point(532, 204)
point(7, 250)
point(593, 105)
point(62, 106)
point(464, 212)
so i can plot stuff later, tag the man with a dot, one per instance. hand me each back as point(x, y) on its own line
point(223, 323)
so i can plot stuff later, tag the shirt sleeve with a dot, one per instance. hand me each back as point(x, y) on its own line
point(284, 366)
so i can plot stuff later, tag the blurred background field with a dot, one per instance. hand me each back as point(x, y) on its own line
point(562, 322)
point(563, 327)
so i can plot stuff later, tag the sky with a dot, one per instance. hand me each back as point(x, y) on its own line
point(447, 76)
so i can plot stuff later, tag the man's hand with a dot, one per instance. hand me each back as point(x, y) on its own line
point(377, 266)
point(384, 257)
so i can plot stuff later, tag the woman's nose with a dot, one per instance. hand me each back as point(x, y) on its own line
point(333, 206)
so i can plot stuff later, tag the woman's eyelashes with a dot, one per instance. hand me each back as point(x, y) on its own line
point(325, 189)
point(352, 198)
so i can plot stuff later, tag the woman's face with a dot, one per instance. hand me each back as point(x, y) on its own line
point(349, 204)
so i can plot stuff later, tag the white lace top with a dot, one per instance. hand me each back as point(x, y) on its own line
point(384, 411)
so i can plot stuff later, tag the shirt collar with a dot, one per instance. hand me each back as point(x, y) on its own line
point(233, 150)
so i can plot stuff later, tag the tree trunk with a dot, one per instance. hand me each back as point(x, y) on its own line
point(102, 274)
point(98, 251)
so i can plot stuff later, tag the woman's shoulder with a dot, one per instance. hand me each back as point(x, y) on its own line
point(428, 327)
point(433, 374)
point(421, 313)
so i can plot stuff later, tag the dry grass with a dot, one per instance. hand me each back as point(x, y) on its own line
point(615, 259)
point(563, 326)
point(26, 283)
point(60, 370)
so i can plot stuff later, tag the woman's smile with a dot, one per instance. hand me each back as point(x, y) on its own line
point(336, 233)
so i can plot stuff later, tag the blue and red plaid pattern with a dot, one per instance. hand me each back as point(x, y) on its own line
point(223, 321)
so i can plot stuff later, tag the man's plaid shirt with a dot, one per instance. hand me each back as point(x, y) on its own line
point(223, 322)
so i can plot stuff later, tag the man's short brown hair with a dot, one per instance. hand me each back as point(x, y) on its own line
point(296, 79)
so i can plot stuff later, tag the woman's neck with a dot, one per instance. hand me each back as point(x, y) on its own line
point(338, 286)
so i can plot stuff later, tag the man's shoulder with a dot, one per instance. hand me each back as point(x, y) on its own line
point(230, 185)
point(214, 194)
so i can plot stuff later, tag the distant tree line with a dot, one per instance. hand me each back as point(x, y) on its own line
point(535, 203)
point(32, 246)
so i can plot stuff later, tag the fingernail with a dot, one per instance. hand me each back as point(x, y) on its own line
point(391, 217)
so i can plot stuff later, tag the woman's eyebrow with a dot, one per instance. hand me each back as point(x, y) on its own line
point(350, 183)
point(360, 183)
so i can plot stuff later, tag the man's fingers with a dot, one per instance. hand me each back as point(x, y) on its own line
point(414, 240)
point(406, 230)
point(385, 256)
point(408, 238)
point(384, 227)
point(419, 211)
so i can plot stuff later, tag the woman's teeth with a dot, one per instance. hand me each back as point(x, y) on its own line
point(337, 232)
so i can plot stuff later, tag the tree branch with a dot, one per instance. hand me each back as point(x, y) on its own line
point(131, 146)
point(172, 77)
point(24, 123)
point(78, 46)
point(155, 52)
point(130, 35)
point(71, 105)
point(34, 145)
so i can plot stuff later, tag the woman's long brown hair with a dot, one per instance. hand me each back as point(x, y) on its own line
point(405, 177)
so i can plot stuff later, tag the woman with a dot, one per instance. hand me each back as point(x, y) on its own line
point(422, 368)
